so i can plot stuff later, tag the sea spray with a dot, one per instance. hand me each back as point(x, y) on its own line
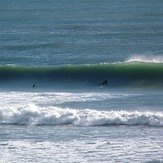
point(145, 59)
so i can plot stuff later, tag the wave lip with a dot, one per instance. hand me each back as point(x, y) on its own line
point(145, 59)
point(34, 115)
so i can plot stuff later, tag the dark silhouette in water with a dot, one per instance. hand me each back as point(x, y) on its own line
point(104, 83)
point(34, 86)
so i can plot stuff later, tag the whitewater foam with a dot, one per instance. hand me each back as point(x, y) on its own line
point(35, 115)
point(143, 58)
point(13, 98)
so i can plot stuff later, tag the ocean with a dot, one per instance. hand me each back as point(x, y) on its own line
point(81, 81)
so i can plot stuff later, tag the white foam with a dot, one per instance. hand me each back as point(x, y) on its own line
point(35, 115)
point(12, 98)
point(147, 58)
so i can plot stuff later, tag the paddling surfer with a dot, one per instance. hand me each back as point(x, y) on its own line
point(104, 83)
point(34, 86)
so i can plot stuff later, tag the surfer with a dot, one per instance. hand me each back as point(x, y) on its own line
point(104, 83)
point(34, 86)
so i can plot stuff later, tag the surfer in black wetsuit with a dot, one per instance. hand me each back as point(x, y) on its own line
point(34, 86)
point(104, 83)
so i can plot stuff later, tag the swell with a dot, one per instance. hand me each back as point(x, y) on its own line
point(116, 74)
point(29, 46)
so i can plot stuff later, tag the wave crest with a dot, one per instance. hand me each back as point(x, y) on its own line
point(34, 115)
point(147, 59)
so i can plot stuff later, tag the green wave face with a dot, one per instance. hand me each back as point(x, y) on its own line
point(116, 74)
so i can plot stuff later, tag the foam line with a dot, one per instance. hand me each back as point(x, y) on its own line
point(34, 115)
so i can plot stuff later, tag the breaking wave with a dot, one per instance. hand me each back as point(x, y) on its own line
point(117, 74)
point(34, 115)
point(146, 59)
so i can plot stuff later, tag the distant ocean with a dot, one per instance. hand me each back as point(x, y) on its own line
point(81, 81)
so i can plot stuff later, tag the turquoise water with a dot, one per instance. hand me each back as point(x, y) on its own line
point(54, 57)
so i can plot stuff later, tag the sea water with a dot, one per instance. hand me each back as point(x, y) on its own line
point(54, 57)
